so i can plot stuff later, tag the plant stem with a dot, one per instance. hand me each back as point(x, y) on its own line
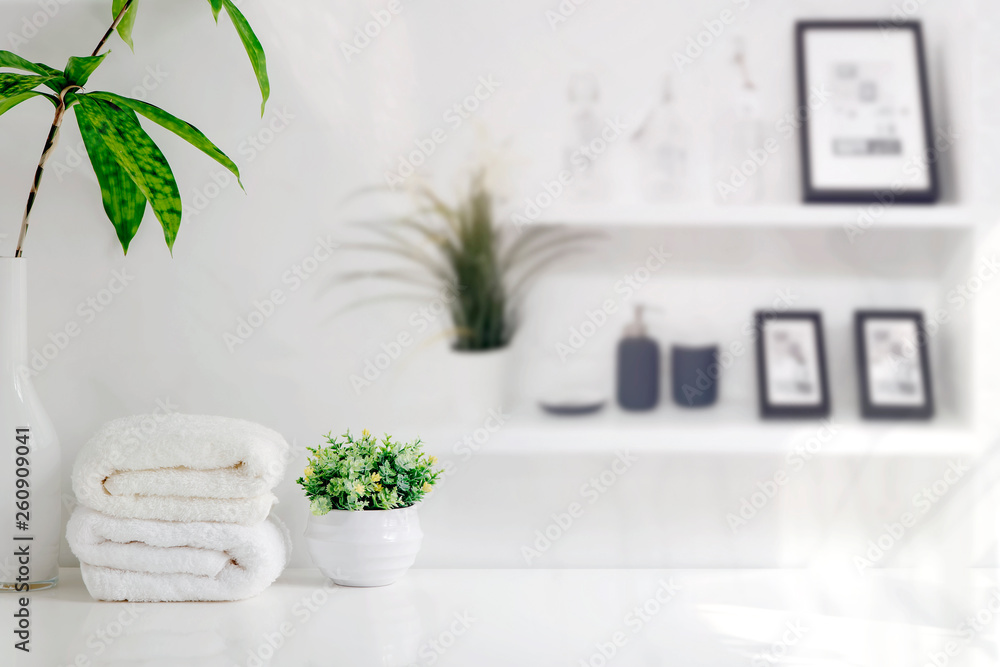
point(53, 138)
point(50, 143)
point(114, 24)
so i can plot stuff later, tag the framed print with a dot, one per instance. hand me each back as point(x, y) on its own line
point(866, 134)
point(791, 365)
point(893, 365)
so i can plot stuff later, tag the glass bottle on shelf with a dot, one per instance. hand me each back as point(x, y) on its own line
point(739, 138)
point(580, 156)
point(662, 142)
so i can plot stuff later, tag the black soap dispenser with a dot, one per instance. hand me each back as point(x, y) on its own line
point(638, 367)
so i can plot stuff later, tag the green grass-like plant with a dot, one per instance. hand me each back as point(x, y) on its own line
point(131, 170)
point(364, 474)
point(484, 269)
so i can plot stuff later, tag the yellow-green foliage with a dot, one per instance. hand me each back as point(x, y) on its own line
point(365, 474)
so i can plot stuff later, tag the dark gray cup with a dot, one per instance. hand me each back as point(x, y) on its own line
point(695, 372)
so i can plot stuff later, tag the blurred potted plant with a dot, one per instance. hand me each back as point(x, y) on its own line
point(482, 270)
point(363, 495)
point(131, 171)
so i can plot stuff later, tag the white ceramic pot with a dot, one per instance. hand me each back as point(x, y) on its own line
point(364, 548)
point(30, 502)
point(481, 383)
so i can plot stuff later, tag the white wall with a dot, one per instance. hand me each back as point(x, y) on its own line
point(338, 126)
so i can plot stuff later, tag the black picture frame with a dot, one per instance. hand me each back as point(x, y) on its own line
point(873, 407)
point(813, 193)
point(770, 408)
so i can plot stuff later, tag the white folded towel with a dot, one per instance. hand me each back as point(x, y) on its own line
point(181, 468)
point(141, 560)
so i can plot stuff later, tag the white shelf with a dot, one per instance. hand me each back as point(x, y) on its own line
point(783, 215)
point(720, 430)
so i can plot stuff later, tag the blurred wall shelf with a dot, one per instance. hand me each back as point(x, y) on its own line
point(782, 215)
point(737, 259)
point(725, 430)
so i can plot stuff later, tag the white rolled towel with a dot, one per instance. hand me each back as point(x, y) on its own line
point(179, 467)
point(140, 560)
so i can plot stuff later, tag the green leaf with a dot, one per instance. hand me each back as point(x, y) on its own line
point(14, 61)
point(253, 47)
point(16, 84)
point(79, 69)
point(8, 103)
point(216, 8)
point(135, 152)
point(182, 129)
point(128, 21)
point(123, 202)
point(320, 505)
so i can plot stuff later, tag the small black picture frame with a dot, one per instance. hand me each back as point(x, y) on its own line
point(893, 364)
point(858, 143)
point(791, 365)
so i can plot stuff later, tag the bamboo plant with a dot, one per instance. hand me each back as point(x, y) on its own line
point(484, 268)
point(131, 169)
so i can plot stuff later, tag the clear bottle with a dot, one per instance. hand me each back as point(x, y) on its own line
point(30, 458)
point(662, 139)
point(738, 138)
point(580, 156)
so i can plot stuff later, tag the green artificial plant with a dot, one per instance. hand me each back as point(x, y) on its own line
point(354, 474)
point(482, 269)
point(130, 168)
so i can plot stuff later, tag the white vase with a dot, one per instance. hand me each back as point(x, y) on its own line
point(364, 548)
point(30, 479)
point(481, 383)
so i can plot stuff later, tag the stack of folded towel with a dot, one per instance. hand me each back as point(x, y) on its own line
point(175, 508)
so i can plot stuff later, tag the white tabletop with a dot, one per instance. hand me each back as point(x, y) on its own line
point(546, 618)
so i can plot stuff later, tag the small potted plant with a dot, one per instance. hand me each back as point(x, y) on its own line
point(363, 494)
point(459, 254)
